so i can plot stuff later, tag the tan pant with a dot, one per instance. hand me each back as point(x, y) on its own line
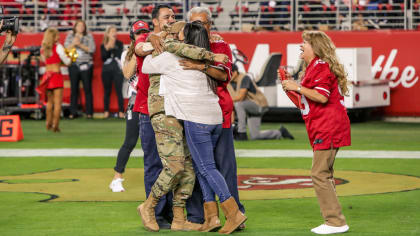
point(324, 185)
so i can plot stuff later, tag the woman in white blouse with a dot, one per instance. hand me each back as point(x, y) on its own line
point(189, 95)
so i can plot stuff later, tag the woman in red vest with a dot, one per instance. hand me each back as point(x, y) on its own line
point(323, 84)
point(53, 55)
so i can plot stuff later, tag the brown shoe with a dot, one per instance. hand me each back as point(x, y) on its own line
point(234, 217)
point(146, 211)
point(179, 223)
point(190, 226)
point(211, 217)
point(178, 220)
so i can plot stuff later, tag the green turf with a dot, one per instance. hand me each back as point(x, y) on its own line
point(84, 133)
point(381, 214)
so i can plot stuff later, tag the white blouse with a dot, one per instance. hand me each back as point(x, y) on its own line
point(132, 82)
point(186, 93)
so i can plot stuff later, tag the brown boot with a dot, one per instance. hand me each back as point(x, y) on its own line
point(179, 223)
point(211, 217)
point(178, 220)
point(190, 226)
point(147, 212)
point(234, 217)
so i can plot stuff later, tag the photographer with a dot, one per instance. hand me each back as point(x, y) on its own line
point(8, 43)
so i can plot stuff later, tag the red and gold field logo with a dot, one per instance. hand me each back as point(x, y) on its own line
point(276, 182)
point(254, 184)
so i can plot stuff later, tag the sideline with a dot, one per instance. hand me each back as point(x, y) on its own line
point(241, 153)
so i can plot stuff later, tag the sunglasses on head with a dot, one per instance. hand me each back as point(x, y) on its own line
point(201, 22)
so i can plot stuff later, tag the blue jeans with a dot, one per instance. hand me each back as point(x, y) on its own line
point(201, 140)
point(224, 156)
point(153, 166)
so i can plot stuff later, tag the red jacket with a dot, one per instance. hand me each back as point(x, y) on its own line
point(225, 100)
point(327, 124)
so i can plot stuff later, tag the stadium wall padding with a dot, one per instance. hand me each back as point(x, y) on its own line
point(394, 55)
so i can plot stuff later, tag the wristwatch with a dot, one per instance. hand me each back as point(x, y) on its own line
point(299, 88)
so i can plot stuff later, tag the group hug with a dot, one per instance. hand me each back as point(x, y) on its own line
point(181, 109)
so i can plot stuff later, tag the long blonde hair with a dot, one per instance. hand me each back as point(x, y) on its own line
point(48, 41)
point(130, 51)
point(106, 35)
point(324, 48)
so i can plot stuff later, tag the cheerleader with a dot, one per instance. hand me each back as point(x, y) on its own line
point(53, 55)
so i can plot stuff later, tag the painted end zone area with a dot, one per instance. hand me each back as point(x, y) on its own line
point(254, 184)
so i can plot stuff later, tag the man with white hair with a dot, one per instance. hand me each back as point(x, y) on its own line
point(224, 151)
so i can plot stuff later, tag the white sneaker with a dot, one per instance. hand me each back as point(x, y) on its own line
point(326, 229)
point(116, 185)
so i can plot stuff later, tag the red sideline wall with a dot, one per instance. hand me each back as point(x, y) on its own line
point(25, 40)
point(394, 57)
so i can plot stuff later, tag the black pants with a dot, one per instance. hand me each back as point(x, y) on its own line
point(112, 73)
point(76, 75)
point(130, 141)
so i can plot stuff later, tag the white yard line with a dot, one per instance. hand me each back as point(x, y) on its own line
point(97, 152)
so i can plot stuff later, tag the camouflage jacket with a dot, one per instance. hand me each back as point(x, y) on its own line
point(155, 102)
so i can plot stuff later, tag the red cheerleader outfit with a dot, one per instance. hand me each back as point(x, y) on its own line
point(52, 79)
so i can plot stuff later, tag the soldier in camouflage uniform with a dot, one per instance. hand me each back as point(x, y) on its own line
point(177, 173)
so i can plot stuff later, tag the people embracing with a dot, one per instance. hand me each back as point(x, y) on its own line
point(190, 96)
point(53, 55)
point(224, 152)
point(323, 84)
point(161, 15)
point(178, 174)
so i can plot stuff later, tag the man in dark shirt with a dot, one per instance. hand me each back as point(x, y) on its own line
point(250, 105)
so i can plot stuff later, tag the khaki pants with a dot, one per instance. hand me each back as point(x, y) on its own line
point(177, 173)
point(324, 185)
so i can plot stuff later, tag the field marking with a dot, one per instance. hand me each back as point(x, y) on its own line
point(92, 184)
point(242, 153)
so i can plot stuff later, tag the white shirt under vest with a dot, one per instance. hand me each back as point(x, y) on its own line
point(186, 93)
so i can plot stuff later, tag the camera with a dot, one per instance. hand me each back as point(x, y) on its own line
point(33, 51)
point(9, 22)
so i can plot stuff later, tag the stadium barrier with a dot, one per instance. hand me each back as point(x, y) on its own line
point(242, 15)
point(394, 55)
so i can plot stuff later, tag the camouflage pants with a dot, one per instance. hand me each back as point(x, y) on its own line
point(177, 173)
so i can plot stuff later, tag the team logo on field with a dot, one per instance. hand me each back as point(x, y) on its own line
point(275, 182)
point(254, 184)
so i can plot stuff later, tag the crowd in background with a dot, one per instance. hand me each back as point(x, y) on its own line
point(261, 15)
point(328, 14)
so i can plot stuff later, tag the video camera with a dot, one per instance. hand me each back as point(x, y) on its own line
point(9, 22)
point(33, 50)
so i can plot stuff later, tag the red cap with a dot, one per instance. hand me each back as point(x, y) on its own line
point(139, 25)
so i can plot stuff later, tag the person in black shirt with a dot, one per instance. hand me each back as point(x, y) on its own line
point(111, 50)
point(250, 105)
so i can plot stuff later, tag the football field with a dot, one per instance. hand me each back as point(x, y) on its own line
point(69, 194)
